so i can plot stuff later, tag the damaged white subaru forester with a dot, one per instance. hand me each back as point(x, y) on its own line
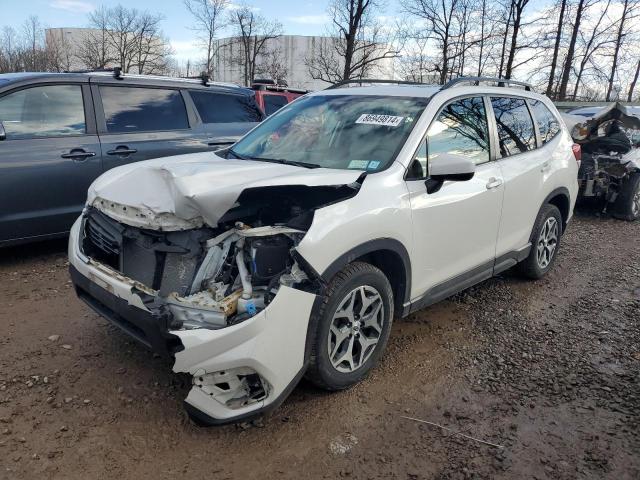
point(290, 253)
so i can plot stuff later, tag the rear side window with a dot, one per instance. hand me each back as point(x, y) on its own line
point(515, 127)
point(273, 103)
point(225, 107)
point(548, 124)
point(47, 111)
point(134, 109)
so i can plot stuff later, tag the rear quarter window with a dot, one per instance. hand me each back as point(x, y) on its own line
point(225, 107)
point(548, 124)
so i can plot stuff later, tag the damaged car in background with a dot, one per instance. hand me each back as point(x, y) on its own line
point(290, 253)
point(609, 174)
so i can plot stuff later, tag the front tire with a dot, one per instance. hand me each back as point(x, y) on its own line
point(352, 327)
point(545, 242)
point(627, 205)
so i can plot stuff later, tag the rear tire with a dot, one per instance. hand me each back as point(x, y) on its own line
point(545, 242)
point(352, 327)
point(627, 205)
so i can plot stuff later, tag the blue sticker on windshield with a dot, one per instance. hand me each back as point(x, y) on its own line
point(373, 165)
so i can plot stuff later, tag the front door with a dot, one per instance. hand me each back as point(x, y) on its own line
point(455, 228)
point(49, 158)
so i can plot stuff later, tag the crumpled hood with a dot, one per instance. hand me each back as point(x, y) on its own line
point(196, 188)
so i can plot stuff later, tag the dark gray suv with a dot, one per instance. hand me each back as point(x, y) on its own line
point(58, 132)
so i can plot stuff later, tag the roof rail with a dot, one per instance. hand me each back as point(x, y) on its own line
point(371, 80)
point(502, 82)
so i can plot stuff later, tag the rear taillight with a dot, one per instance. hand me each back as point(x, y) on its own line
point(577, 152)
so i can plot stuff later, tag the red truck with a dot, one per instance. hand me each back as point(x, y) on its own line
point(272, 96)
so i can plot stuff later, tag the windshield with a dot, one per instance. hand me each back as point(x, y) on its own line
point(334, 131)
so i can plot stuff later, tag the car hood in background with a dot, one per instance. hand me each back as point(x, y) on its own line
point(188, 191)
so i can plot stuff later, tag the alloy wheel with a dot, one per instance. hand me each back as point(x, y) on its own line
point(355, 328)
point(635, 203)
point(547, 242)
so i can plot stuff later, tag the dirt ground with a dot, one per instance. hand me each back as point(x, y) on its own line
point(549, 370)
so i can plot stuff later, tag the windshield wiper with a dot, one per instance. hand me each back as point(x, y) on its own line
point(285, 162)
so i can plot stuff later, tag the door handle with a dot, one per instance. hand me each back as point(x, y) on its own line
point(494, 183)
point(545, 166)
point(122, 150)
point(78, 154)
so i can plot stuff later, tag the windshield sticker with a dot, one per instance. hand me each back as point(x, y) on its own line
point(373, 165)
point(383, 120)
point(358, 164)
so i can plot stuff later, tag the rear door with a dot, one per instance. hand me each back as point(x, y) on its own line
point(49, 158)
point(142, 122)
point(523, 167)
point(223, 117)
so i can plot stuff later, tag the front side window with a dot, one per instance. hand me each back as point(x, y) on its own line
point(515, 127)
point(273, 103)
point(225, 107)
point(46, 111)
point(461, 129)
point(548, 124)
point(359, 132)
point(134, 109)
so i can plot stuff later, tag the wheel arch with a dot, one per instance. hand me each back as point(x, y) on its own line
point(560, 198)
point(387, 254)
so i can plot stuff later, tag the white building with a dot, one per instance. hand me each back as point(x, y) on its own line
point(290, 52)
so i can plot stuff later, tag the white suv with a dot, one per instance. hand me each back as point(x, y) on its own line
point(290, 253)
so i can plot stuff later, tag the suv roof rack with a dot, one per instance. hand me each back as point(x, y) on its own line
point(372, 80)
point(502, 82)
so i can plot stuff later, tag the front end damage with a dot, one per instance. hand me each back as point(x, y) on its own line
point(610, 144)
point(229, 302)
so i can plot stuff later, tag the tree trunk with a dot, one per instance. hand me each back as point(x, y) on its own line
point(484, 12)
point(514, 42)
point(556, 48)
point(504, 41)
point(566, 72)
point(616, 51)
point(633, 83)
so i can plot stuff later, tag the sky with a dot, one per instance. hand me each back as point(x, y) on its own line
point(299, 17)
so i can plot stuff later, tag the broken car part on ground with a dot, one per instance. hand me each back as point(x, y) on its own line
point(610, 171)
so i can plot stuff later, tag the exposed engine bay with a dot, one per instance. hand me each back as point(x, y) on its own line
point(610, 144)
point(214, 277)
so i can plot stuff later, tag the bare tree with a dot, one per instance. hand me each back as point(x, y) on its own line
point(33, 37)
point(209, 20)
point(127, 37)
point(356, 45)
point(568, 61)
point(252, 35)
point(10, 53)
point(599, 37)
point(629, 12)
point(556, 47)
point(271, 65)
point(632, 86)
point(95, 52)
point(517, 8)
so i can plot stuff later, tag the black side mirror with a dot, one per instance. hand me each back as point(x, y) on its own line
point(3, 134)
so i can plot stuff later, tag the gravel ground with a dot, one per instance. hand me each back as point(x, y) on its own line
point(548, 370)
